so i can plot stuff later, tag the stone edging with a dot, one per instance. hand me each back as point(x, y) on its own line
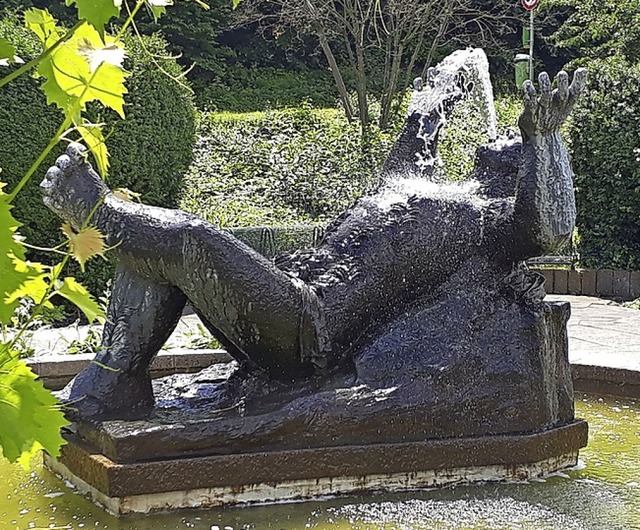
point(55, 371)
point(620, 284)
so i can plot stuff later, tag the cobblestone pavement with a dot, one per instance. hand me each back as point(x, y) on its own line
point(602, 333)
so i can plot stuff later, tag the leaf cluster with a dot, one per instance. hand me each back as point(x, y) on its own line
point(597, 29)
point(605, 147)
point(150, 150)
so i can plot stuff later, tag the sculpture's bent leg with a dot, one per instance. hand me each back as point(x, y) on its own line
point(141, 317)
point(265, 318)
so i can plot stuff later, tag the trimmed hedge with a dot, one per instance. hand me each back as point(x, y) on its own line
point(150, 150)
point(295, 166)
point(605, 146)
point(240, 89)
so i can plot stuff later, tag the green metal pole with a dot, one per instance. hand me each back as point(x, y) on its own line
point(531, 45)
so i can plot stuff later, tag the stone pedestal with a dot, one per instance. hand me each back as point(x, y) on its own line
point(293, 475)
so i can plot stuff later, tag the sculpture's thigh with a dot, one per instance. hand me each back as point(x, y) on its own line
point(140, 318)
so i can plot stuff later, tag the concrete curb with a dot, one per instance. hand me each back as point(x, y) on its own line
point(55, 371)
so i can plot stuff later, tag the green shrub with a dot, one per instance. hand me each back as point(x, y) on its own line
point(605, 146)
point(150, 151)
point(240, 89)
point(279, 167)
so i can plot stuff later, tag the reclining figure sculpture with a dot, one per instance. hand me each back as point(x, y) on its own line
point(415, 304)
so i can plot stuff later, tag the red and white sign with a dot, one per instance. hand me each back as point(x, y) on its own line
point(529, 4)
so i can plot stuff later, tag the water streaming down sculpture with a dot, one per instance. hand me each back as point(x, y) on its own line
point(411, 339)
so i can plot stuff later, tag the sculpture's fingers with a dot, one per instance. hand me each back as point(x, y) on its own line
point(578, 83)
point(561, 93)
point(545, 88)
point(528, 94)
point(77, 153)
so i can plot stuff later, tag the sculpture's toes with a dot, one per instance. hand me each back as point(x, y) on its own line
point(77, 153)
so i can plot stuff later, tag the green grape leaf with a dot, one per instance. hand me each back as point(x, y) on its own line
point(7, 50)
point(74, 76)
point(71, 80)
point(22, 397)
point(92, 136)
point(111, 53)
point(43, 25)
point(80, 297)
point(35, 286)
point(97, 12)
point(11, 249)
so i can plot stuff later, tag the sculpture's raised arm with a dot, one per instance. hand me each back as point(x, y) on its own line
point(545, 211)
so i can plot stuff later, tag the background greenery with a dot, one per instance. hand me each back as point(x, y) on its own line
point(605, 142)
point(150, 151)
point(294, 166)
point(274, 149)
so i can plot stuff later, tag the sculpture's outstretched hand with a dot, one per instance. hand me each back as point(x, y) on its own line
point(545, 111)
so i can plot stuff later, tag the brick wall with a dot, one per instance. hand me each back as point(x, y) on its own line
point(623, 285)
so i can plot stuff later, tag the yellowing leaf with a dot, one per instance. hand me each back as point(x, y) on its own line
point(84, 245)
point(93, 137)
point(126, 194)
point(80, 297)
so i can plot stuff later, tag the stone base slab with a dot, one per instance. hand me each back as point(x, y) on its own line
point(294, 475)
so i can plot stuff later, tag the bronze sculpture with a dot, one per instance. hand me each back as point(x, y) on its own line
point(415, 306)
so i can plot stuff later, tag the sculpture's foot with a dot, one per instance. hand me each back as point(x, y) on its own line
point(98, 394)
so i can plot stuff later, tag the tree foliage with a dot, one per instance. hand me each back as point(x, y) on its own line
point(597, 29)
point(383, 42)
